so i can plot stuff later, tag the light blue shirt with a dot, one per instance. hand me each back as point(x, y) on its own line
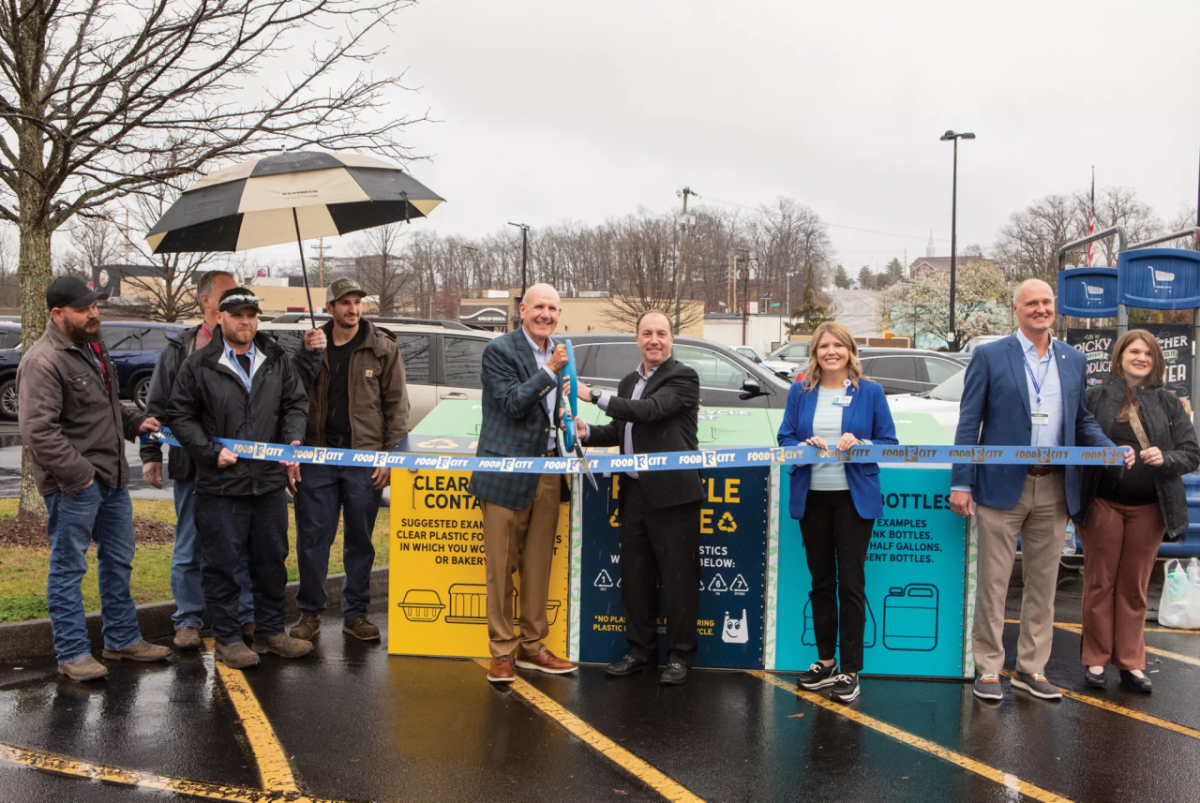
point(827, 422)
point(232, 361)
point(542, 356)
point(1046, 399)
point(602, 403)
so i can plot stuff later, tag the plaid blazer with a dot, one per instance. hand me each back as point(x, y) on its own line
point(514, 418)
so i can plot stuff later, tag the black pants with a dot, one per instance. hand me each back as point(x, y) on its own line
point(835, 543)
point(324, 494)
point(229, 527)
point(659, 544)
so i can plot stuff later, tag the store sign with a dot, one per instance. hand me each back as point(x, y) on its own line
point(1159, 278)
point(1177, 345)
point(1088, 292)
point(1096, 345)
point(733, 526)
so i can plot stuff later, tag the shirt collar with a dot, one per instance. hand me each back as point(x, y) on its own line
point(533, 344)
point(1027, 345)
point(251, 352)
point(644, 374)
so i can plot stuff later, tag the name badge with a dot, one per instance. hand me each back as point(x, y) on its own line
point(1041, 419)
point(842, 401)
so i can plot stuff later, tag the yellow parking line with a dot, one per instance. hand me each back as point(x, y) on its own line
point(1005, 779)
point(273, 764)
point(60, 765)
point(1174, 656)
point(624, 759)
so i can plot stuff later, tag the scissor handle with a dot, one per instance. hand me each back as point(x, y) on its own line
point(572, 398)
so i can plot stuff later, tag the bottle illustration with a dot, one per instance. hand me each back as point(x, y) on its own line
point(809, 636)
point(910, 618)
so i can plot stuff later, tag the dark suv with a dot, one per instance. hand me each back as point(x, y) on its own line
point(727, 379)
point(909, 370)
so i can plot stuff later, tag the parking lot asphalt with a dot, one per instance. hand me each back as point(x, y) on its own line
point(350, 723)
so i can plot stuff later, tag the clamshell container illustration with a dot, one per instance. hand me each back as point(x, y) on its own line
point(910, 618)
point(468, 605)
point(421, 605)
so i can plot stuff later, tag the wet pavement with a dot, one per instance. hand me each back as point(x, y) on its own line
point(351, 723)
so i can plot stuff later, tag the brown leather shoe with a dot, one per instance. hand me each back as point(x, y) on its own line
point(85, 668)
point(284, 645)
point(141, 651)
point(548, 662)
point(236, 655)
point(306, 628)
point(361, 628)
point(501, 670)
point(187, 638)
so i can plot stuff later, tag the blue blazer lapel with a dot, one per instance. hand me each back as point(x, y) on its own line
point(849, 410)
point(1016, 360)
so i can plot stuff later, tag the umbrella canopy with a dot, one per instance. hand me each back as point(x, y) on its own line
point(251, 205)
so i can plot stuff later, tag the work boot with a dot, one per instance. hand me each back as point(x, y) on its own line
point(187, 638)
point(360, 627)
point(85, 668)
point(284, 645)
point(139, 651)
point(307, 627)
point(236, 655)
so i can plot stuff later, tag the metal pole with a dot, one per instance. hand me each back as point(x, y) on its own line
point(952, 338)
point(524, 256)
point(679, 263)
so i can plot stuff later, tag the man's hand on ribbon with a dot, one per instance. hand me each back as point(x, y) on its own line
point(558, 359)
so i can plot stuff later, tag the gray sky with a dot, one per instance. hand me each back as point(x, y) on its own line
point(565, 110)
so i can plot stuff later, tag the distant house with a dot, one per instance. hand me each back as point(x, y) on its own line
point(923, 265)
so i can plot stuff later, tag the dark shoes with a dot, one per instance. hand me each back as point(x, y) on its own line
point(845, 688)
point(1037, 685)
point(1094, 681)
point(627, 666)
point(306, 628)
point(85, 668)
point(1134, 683)
point(282, 645)
point(187, 638)
point(674, 675)
point(818, 676)
point(361, 628)
point(987, 687)
point(501, 670)
point(140, 651)
point(236, 655)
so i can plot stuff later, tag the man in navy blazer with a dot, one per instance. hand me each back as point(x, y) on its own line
point(1024, 390)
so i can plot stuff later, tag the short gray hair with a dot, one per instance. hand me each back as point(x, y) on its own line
point(205, 286)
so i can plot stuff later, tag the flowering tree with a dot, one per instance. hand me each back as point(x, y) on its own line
point(921, 308)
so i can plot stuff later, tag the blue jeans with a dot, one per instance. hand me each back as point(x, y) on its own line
point(186, 586)
point(104, 515)
point(324, 493)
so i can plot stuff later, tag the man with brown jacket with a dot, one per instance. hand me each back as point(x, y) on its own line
point(358, 400)
point(74, 424)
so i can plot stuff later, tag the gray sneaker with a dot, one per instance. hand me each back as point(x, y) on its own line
point(1037, 685)
point(987, 687)
point(85, 668)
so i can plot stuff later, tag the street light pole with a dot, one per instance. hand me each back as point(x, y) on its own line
point(952, 337)
point(524, 251)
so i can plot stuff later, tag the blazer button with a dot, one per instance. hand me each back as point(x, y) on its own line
point(1029, 427)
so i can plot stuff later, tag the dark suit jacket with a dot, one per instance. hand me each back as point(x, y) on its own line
point(515, 423)
point(664, 419)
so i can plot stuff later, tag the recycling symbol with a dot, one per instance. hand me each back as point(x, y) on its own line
point(727, 524)
point(603, 580)
point(739, 585)
point(718, 584)
point(438, 443)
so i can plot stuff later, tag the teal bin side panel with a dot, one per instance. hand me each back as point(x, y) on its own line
point(916, 579)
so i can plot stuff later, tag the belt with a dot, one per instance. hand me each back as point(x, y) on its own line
point(1042, 471)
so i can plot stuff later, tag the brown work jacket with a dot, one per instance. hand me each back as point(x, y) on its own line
point(72, 424)
point(378, 394)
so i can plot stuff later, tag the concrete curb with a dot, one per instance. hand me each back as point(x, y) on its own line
point(33, 638)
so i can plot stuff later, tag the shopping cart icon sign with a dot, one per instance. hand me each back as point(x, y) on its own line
point(1160, 279)
point(1092, 294)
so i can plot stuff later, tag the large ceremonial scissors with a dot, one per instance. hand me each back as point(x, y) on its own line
point(570, 410)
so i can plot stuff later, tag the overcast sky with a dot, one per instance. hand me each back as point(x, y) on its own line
point(565, 110)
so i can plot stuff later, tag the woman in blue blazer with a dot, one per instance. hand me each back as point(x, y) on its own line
point(836, 503)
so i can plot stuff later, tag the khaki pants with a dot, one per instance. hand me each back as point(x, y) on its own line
point(1040, 518)
point(520, 540)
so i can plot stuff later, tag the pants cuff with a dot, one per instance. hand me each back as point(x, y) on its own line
point(72, 659)
point(124, 646)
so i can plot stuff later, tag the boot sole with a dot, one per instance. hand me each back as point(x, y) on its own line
point(350, 632)
point(83, 678)
point(846, 698)
point(246, 665)
point(820, 684)
point(120, 656)
point(261, 650)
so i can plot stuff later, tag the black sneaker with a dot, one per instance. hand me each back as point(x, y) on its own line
point(1037, 685)
point(845, 688)
point(987, 687)
point(818, 676)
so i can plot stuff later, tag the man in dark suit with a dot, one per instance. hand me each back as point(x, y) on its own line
point(655, 410)
point(520, 511)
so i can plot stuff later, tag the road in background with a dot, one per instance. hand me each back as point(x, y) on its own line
point(857, 310)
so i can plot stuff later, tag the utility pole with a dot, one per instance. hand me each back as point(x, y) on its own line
point(680, 271)
point(524, 252)
point(321, 248)
point(126, 235)
point(745, 277)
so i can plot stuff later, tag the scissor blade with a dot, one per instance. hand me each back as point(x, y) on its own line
point(587, 469)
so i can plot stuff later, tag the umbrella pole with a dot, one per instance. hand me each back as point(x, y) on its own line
point(303, 269)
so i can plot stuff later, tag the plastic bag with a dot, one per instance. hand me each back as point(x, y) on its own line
point(1180, 604)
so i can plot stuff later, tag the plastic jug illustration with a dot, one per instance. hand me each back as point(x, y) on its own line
point(910, 618)
point(809, 636)
point(736, 631)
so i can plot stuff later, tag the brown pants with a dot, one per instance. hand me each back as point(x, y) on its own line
point(520, 540)
point(1120, 545)
point(1040, 518)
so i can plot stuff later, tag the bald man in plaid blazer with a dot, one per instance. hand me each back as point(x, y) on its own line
point(521, 399)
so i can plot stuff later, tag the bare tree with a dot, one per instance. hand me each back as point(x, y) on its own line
point(1028, 244)
point(93, 93)
point(1120, 206)
point(643, 278)
point(1185, 219)
point(378, 265)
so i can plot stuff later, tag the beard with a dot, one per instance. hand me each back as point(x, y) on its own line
point(88, 333)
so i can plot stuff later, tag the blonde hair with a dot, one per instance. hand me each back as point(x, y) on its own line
point(812, 376)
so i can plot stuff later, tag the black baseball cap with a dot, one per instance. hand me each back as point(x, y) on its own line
point(69, 291)
point(238, 298)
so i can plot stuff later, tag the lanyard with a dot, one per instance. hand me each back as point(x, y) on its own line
point(1037, 386)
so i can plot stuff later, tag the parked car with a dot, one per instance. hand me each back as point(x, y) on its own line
point(10, 357)
point(909, 370)
point(727, 379)
point(968, 349)
point(786, 370)
point(941, 402)
point(791, 352)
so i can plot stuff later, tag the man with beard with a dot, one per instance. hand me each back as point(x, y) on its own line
point(73, 422)
point(358, 401)
point(241, 386)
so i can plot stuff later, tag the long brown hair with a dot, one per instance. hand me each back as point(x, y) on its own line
point(1158, 367)
point(812, 376)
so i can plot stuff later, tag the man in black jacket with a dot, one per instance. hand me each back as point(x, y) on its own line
point(241, 386)
point(655, 410)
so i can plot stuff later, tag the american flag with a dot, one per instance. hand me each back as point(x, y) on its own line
point(1092, 221)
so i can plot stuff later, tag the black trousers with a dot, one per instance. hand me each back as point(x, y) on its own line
point(835, 543)
point(230, 527)
point(659, 545)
